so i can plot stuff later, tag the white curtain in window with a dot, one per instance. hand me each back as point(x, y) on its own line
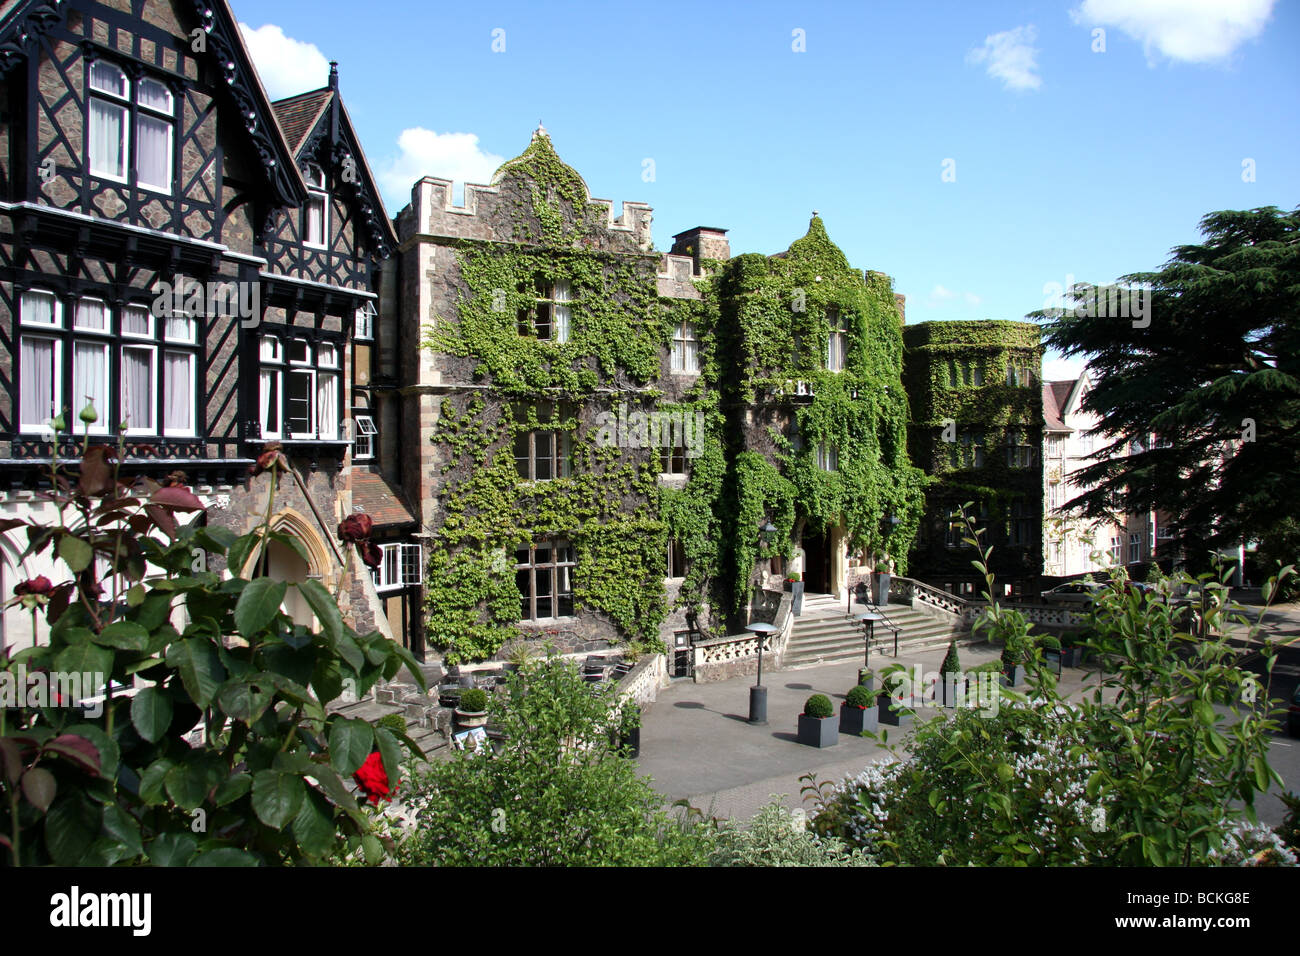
point(36, 392)
point(153, 159)
point(107, 138)
point(37, 308)
point(90, 314)
point(327, 414)
point(179, 328)
point(135, 320)
point(316, 220)
point(107, 77)
point(561, 311)
point(137, 388)
point(177, 417)
point(155, 96)
point(90, 381)
point(270, 403)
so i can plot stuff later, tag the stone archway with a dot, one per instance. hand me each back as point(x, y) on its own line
point(282, 563)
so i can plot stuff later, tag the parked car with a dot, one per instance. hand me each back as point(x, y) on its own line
point(1293, 715)
point(1073, 592)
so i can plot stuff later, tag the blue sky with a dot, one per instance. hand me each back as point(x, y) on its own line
point(1068, 161)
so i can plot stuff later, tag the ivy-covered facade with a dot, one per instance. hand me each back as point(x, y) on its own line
point(977, 423)
point(594, 434)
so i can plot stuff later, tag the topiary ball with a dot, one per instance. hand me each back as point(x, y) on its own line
point(394, 722)
point(859, 696)
point(818, 705)
point(474, 701)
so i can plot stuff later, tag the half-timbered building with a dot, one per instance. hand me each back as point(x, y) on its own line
point(196, 262)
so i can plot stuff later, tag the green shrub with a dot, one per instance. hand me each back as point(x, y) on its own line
point(560, 792)
point(951, 662)
point(859, 696)
point(775, 837)
point(394, 722)
point(474, 701)
point(818, 705)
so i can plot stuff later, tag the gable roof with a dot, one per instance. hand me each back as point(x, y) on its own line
point(306, 119)
point(21, 22)
point(298, 114)
point(1055, 397)
point(373, 496)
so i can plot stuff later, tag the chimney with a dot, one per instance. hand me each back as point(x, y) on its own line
point(702, 242)
point(334, 75)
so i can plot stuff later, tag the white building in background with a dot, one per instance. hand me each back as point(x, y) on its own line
point(1073, 545)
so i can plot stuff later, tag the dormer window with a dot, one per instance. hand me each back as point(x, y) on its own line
point(315, 213)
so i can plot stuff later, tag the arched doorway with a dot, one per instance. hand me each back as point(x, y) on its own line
point(285, 564)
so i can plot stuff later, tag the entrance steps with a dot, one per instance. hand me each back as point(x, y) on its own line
point(824, 633)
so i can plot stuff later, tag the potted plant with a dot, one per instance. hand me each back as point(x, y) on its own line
point(795, 581)
point(858, 712)
point(393, 722)
point(632, 651)
point(817, 724)
point(951, 687)
point(890, 702)
point(449, 694)
point(1071, 652)
point(520, 653)
point(472, 711)
point(883, 579)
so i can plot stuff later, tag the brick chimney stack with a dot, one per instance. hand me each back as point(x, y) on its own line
point(702, 242)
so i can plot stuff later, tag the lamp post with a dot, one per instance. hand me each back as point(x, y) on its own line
point(869, 619)
point(758, 693)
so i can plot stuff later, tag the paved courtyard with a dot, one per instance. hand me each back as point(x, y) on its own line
point(697, 743)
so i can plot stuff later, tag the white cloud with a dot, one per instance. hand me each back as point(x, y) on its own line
point(1010, 56)
point(1061, 369)
point(286, 66)
point(942, 295)
point(422, 152)
point(1196, 31)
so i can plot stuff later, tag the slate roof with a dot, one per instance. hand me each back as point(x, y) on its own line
point(373, 496)
point(1055, 397)
point(298, 114)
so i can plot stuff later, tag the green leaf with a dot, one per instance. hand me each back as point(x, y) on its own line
point(349, 651)
point(199, 666)
point(85, 658)
point(190, 781)
point(39, 787)
point(1261, 772)
point(152, 781)
point(241, 550)
point(70, 827)
point(258, 605)
point(151, 713)
point(236, 786)
point(350, 743)
point(390, 751)
point(277, 797)
point(225, 856)
point(324, 607)
point(124, 830)
point(247, 700)
point(172, 849)
point(75, 553)
point(313, 825)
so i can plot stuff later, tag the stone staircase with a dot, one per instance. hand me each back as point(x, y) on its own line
point(427, 724)
point(824, 634)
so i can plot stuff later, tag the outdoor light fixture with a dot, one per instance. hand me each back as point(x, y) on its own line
point(758, 693)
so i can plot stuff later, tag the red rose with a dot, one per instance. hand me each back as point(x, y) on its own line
point(373, 781)
point(370, 553)
point(38, 585)
point(356, 528)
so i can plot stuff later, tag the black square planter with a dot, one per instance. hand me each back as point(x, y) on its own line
point(1015, 678)
point(1070, 656)
point(818, 731)
point(894, 718)
point(854, 720)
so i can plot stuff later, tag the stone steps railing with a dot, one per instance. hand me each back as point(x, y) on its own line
point(737, 654)
point(964, 612)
